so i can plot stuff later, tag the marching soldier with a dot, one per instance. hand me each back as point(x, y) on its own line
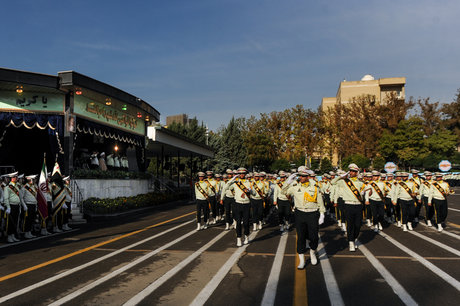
point(367, 214)
point(282, 202)
point(339, 203)
point(28, 196)
point(258, 201)
point(350, 188)
point(309, 213)
point(219, 187)
point(212, 194)
point(438, 198)
point(227, 199)
point(12, 204)
point(425, 190)
point(202, 201)
point(388, 191)
point(405, 195)
point(242, 204)
point(375, 198)
point(417, 181)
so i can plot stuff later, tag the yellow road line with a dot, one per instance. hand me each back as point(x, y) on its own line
point(9, 276)
point(300, 284)
point(453, 224)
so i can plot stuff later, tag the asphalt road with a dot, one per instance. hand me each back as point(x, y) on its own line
point(159, 258)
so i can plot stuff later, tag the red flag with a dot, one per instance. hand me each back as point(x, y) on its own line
point(42, 188)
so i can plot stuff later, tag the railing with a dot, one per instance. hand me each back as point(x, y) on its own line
point(158, 185)
point(77, 196)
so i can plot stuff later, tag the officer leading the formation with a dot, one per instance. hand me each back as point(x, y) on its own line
point(309, 213)
point(350, 188)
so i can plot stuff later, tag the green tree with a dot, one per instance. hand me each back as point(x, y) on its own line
point(378, 163)
point(360, 160)
point(326, 165)
point(280, 164)
point(232, 152)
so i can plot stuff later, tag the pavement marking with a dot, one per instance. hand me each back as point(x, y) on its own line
point(38, 238)
point(300, 282)
point(111, 250)
point(335, 297)
point(273, 278)
point(3, 278)
point(208, 290)
point(156, 284)
point(117, 272)
point(444, 231)
point(454, 209)
point(81, 267)
point(437, 243)
point(449, 279)
point(391, 281)
point(453, 224)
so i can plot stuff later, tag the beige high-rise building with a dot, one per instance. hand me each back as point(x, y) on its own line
point(368, 85)
point(379, 88)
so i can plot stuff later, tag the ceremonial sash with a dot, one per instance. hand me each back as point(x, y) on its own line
point(200, 189)
point(31, 191)
point(427, 184)
point(406, 188)
point(353, 189)
point(14, 189)
point(416, 185)
point(210, 186)
point(69, 190)
point(280, 184)
point(377, 188)
point(241, 186)
point(441, 190)
point(258, 190)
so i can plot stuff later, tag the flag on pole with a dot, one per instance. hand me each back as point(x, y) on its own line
point(42, 188)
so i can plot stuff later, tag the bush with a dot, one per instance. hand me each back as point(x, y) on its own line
point(116, 205)
point(99, 174)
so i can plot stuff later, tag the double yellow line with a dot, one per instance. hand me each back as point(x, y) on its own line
point(9, 276)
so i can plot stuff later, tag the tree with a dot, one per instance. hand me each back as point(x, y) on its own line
point(451, 116)
point(378, 163)
point(232, 152)
point(360, 160)
point(442, 143)
point(430, 114)
point(326, 165)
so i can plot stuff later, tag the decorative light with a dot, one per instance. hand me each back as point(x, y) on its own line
point(116, 148)
point(108, 101)
point(139, 115)
point(78, 91)
point(147, 118)
point(124, 107)
point(19, 89)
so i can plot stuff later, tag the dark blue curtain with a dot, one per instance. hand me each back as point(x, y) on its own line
point(56, 121)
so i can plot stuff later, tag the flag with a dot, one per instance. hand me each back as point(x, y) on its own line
point(56, 171)
point(42, 188)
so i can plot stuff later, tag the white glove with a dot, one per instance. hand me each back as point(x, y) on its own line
point(1, 207)
point(321, 219)
point(345, 175)
point(291, 178)
point(8, 210)
point(24, 208)
point(64, 206)
point(234, 178)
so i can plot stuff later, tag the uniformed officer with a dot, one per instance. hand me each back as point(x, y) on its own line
point(13, 209)
point(242, 190)
point(438, 198)
point(211, 182)
point(417, 181)
point(350, 188)
point(219, 186)
point(405, 195)
point(258, 197)
point(339, 203)
point(227, 198)
point(388, 191)
point(202, 201)
point(282, 202)
point(58, 193)
point(309, 213)
point(28, 197)
point(375, 198)
point(425, 190)
point(367, 213)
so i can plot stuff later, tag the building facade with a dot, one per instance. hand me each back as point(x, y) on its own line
point(368, 85)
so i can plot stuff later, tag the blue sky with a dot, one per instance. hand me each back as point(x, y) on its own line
point(216, 59)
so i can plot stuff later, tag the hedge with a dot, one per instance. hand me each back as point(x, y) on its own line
point(120, 204)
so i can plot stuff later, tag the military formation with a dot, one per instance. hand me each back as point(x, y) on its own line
point(21, 216)
point(300, 198)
